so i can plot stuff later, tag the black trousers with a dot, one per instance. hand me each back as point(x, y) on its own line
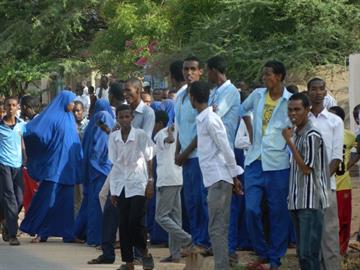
point(133, 233)
point(11, 196)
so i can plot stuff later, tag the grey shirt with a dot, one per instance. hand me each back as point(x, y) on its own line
point(144, 118)
point(309, 191)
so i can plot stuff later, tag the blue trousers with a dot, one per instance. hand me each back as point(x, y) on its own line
point(274, 186)
point(195, 202)
point(308, 225)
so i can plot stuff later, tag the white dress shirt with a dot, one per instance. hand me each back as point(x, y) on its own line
point(144, 118)
point(329, 101)
point(129, 161)
point(104, 93)
point(216, 158)
point(168, 173)
point(331, 128)
point(242, 139)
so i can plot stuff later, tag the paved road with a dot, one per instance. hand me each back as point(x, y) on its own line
point(55, 255)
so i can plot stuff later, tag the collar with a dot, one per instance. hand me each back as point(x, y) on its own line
point(182, 88)
point(324, 113)
point(17, 120)
point(286, 94)
point(222, 86)
point(140, 107)
point(131, 136)
point(204, 113)
point(305, 128)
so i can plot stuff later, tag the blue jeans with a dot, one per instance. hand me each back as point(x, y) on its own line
point(308, 225)
point(195, 202)
point(274, 186)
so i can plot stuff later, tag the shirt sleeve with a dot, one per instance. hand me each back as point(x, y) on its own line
point(248, 104)
point(338, 140)
point(312, 144)
point(148, 147)
point(227, 103)
point(112, 148)
point(149, 122)
point(218, 134)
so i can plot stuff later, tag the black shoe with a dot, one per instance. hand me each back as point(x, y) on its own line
point(13, 241)
point(101, 260)
point(148, 262)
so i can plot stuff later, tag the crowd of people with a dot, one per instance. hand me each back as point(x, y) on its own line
point(206, 167)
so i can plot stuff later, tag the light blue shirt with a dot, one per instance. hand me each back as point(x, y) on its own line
point(10, 144)
point(271, 146)
point(226, 98)
point(185, 117)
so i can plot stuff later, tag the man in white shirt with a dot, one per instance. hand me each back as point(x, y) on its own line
point(83, 98)
point(102, 92)
point(331, 128)
point(168, 188)
point(219, 170)
point(329, 101)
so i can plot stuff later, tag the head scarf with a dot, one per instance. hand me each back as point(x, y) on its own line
point(52, 144)
point(168, 106)
point(95, 146)
point(103, 105)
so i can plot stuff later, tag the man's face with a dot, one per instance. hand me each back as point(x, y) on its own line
point(132, 94)
point(103, 82)
point(11, 107)
point(70, 107)
point(317, 92)
point(146, 98)
point(158, 95)
point(124, 118)
point(297, 113)
point(269, 78)
point(78, 112)
point(211, 74)
point(191, 71)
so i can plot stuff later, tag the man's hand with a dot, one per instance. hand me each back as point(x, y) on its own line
point(114, 200)
point(149, 190)
point(287, 133)
point(180, 159)
point(238, 188)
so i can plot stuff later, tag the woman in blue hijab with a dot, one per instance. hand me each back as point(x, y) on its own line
point(54, 159)
point(96, 167)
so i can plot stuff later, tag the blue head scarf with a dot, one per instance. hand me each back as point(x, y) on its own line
point(169, 107)
point(95, 146)
point(53, 145)
point(103, 105)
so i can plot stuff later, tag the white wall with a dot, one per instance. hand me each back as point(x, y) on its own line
point(354, 85)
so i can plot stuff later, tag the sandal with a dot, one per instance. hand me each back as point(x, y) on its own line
point(101, 260)
point(37, 240)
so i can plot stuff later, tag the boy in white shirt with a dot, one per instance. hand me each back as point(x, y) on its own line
point(131, 183)
point(169, 184)
point(219, 170)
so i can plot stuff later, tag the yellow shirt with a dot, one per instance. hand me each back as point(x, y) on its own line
point(269, 107)
point(343, 179)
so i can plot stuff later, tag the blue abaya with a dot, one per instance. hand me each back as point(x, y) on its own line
point(96, 168)
point(54, 159)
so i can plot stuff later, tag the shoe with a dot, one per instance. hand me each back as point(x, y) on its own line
point(148, 262)
point(137, 261)
point(101, 260)
point(194, 249)
point(233, 259)
point(13, 241)
point(170, 259)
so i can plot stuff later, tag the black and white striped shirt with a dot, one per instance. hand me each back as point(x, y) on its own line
point(309, 191)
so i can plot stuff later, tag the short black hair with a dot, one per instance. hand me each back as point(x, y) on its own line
point(314, 80)
point(176, 70)
point(11, 97)
point(91, 89)
point(194, 58)
point(301, 96)
point(200, 91)
point(161, 116)
point(277, 67)
point(217, 62)
point(292, 88)
point(135, 82)
point(123, 107)
point(29, 101)
point(117, 91)
point(338, 111)
point(78, 102)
